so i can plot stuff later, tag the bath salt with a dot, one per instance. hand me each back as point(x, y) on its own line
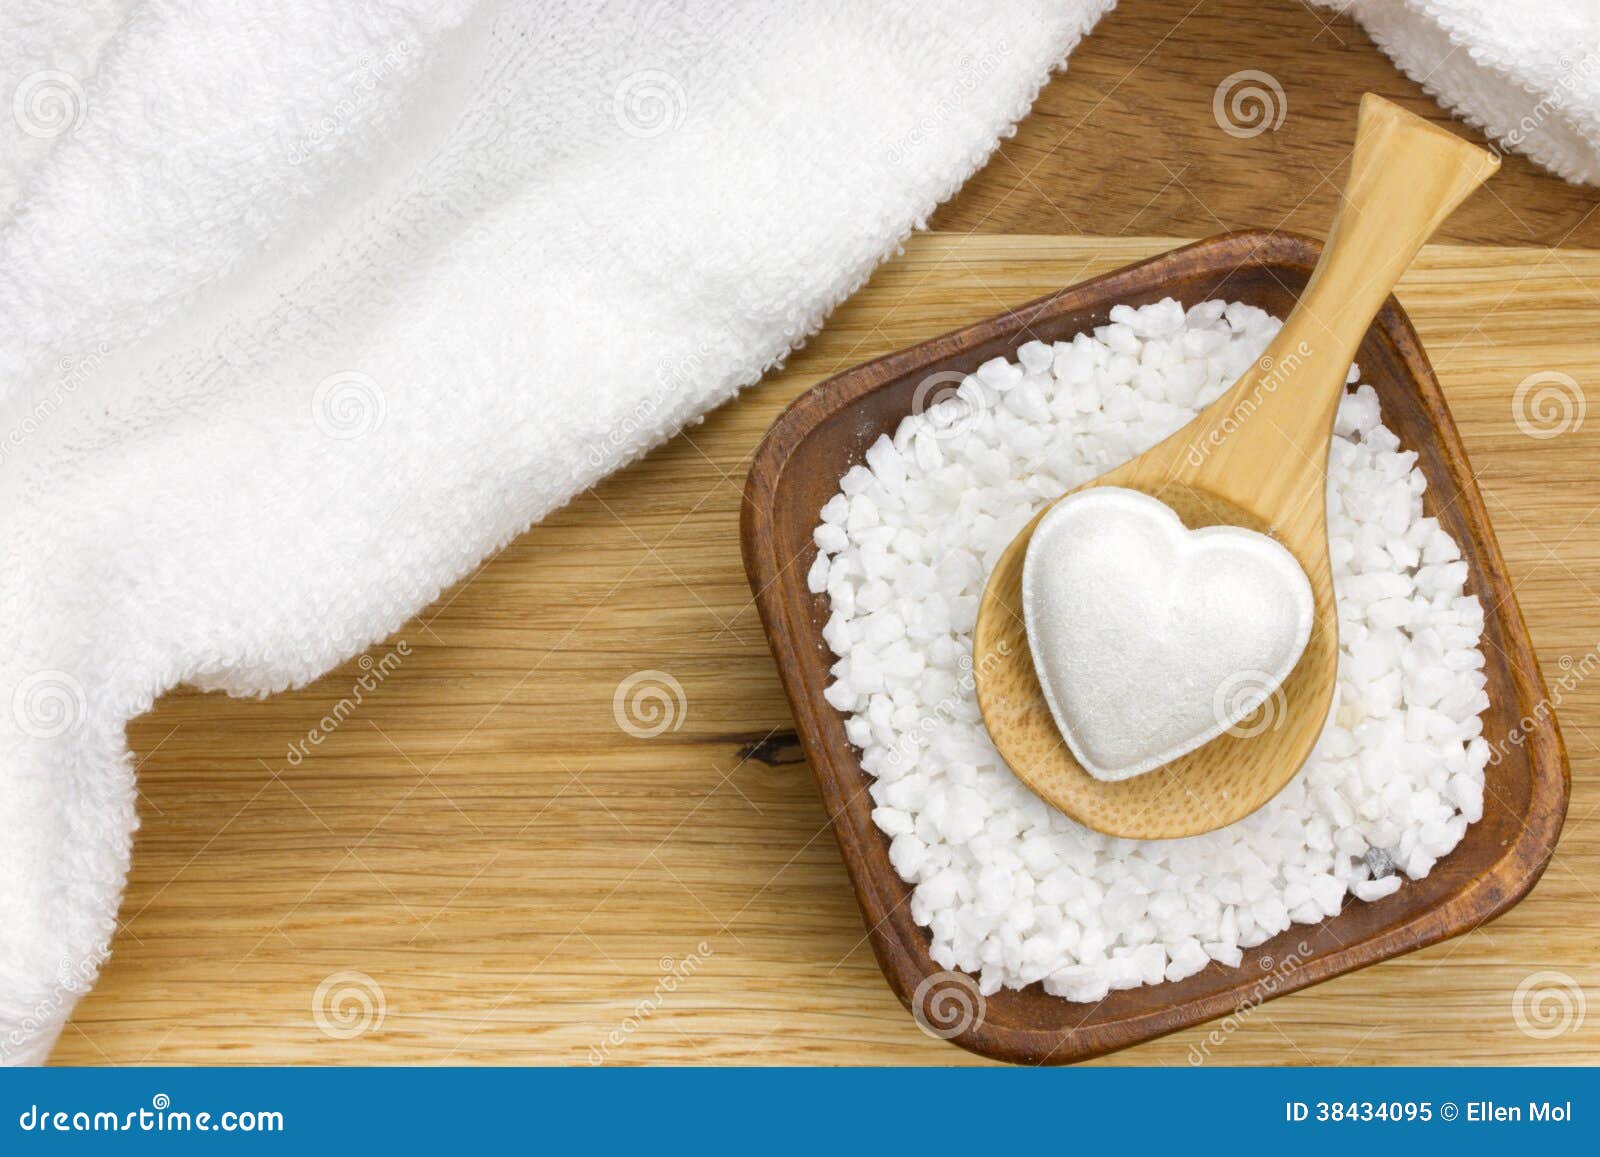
point(1149, 638)
point(1010, 889)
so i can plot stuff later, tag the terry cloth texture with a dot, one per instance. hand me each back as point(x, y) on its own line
point(307, 307)
point(1526, 72)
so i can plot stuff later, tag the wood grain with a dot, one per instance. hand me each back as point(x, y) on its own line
point(521, 878)
point(1126, 141)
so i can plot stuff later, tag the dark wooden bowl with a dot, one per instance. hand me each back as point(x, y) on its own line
point(827, 429)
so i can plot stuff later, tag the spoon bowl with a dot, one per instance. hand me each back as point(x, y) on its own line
point(1212, 786)
point(1257, 458)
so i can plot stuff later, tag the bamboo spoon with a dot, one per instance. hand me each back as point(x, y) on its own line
point(1257, 457)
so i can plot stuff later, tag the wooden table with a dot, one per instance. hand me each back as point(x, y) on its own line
point(480, 866)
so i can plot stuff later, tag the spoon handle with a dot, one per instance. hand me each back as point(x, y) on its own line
point(1270, 432)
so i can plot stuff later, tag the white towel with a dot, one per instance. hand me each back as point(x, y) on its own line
point(306, 306)
point(1526, 72)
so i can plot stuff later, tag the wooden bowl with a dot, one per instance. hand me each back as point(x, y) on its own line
point(827, 429)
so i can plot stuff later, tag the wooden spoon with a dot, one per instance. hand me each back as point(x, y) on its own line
point(1256, 457)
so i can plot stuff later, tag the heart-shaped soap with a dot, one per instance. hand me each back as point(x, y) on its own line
point(1151, 639)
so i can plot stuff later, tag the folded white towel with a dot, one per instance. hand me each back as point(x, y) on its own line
point(305, 307)
point(1526, 72)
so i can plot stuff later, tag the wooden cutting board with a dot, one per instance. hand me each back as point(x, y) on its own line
point(480, 864)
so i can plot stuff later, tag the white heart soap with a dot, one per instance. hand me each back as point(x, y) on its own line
point(1149, 638)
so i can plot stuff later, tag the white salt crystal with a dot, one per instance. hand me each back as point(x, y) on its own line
point(1370, 890)
point(999, 373)
point(830, 537)
point(841, 695)
point(1035, 356)
point(1027, 402)
point(817, 576)
point(855, 480)
point(1187, 958)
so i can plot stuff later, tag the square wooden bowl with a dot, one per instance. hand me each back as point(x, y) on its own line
point(826, 430)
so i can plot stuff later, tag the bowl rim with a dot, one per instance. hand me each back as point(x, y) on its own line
point(1487, 895)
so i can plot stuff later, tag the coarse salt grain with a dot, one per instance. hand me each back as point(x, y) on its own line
point(1012, 890)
